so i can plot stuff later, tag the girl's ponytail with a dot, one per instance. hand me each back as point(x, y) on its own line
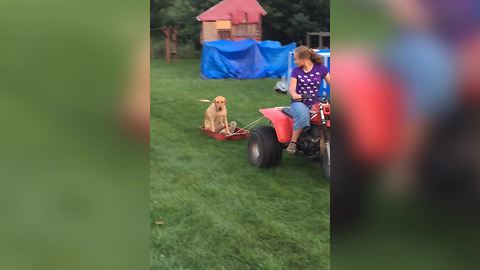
point(304, 52)
point(315, 57)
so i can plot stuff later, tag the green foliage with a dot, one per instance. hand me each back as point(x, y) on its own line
point(219, 212)
point(286, 21)
point(289, 21)
point(184, 51)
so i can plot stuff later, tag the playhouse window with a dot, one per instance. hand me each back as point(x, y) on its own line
point(224, 34)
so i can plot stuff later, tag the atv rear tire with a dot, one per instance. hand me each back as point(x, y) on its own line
point(263, 148)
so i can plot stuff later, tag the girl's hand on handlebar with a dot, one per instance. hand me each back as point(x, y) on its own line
point(297, 97)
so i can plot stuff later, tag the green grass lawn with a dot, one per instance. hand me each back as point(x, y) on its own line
point(219, 212)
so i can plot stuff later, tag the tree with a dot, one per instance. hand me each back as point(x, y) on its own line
point(289, 22)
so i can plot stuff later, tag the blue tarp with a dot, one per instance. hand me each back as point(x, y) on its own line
point(245, 59)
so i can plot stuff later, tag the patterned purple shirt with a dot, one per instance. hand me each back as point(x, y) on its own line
point(309, 83)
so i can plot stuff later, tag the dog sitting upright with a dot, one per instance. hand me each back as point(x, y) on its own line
point(216, 117)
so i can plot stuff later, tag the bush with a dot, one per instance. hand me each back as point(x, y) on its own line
point(188, 52)
point(184, 51)
point(157, 49)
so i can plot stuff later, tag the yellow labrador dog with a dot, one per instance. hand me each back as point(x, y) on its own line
point(216, 116)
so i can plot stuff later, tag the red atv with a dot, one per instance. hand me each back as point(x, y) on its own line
point(266, 143)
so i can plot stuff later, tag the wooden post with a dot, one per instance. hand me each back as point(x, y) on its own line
point(166, 31)
point(174, 52)
point(260, 28)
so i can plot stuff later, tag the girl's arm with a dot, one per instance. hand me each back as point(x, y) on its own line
point(327, 78)
point(293, 87)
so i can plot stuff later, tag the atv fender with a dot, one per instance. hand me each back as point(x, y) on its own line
point(281, 122)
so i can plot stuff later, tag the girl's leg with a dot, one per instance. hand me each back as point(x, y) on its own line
point(301, 119)
point(296, 134)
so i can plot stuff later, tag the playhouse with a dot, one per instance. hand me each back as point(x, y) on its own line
point(232, 20)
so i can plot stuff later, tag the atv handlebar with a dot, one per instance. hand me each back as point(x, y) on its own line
point(322, 99)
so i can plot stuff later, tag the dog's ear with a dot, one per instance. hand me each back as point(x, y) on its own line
point(225, 101)
point(214, 100)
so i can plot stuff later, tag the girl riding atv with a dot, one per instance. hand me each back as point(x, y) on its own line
point(306, 80)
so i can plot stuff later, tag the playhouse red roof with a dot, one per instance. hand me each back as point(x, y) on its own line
point(234, 10)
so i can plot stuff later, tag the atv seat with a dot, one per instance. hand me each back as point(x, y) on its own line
point(286, 111)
